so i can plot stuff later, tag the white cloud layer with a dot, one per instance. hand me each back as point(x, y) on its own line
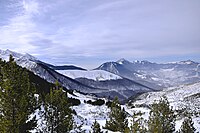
point(91, 31)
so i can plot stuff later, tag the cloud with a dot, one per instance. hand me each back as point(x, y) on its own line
point(19, 29)
point(31, 7)
point(78, 31)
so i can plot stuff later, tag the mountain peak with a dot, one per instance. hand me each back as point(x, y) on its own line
point(146, 62)
point(123, 61)
point(16, 55)
point(136, 61)
point(8, 52)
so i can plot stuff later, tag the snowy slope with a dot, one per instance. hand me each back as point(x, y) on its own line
point(25, 60)
point(179, 97)
point(86, 113)
point(5, 54)
point(97, 75)
point(183, 97)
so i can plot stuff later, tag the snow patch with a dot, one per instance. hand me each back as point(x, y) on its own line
point(97, 75)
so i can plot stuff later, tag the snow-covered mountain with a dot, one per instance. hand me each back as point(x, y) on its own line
point(41, 69)
point(121, 87)
point(97, 75)
point(121, 70)
point(121, 78)
point(155, 75)
point(5, 54)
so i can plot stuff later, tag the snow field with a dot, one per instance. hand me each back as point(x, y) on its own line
point(97, 75)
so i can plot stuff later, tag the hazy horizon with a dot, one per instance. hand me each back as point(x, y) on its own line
point(88, 33)
point(93, 66)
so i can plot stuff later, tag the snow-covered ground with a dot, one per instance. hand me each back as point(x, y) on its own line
point(87, 113)
point(184, 97)
point(97, 75)
point(179, 97)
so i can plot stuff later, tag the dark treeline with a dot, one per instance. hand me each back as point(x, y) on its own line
point(22, 93)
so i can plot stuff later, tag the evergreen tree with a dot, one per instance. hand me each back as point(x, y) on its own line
point(117, 118)
point(187, 126)
point(162, 118)
point(17, 99)
point(58, 115)
point(96, 127)
point(137, 124)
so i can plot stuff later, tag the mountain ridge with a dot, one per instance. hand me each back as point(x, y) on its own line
point(135, 77)
point(43, 70)
point(160, 74)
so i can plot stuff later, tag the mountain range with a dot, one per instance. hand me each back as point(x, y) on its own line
point(121, 78)
point(155, 75)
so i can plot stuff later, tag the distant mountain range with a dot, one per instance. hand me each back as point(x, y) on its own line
point(155, 75)
point(121, 78)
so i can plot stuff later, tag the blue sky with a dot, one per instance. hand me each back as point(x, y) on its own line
point(90, 32)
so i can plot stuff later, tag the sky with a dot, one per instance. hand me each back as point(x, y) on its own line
point(90, 32)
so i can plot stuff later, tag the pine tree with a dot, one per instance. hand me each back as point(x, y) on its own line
point(58, 115)
point(162, 118)
point(17, 99)
point(117, 118)
point(96, 127)
point(137, 124)
point(187, 126)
